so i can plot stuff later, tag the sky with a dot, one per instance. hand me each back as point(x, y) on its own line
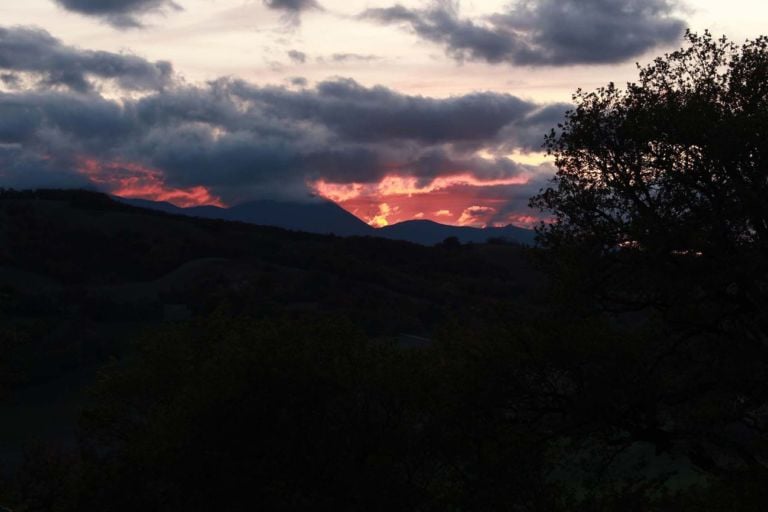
point(396, 111)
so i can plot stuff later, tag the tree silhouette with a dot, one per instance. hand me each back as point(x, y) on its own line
point(660, 208)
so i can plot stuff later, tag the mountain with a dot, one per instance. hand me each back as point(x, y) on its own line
point(323, 217)
point(326, 217)
point(427, 232)
point(315, 216)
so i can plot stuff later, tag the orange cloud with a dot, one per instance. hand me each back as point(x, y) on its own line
point(459, 199)
point(522, 220)
point(129, 180)
point(394, 185)
point(476, 216)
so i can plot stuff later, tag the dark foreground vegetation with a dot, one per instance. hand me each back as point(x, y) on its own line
point(623, 365)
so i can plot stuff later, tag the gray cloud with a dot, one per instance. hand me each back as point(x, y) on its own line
point(292, 9)
point(23, 170)
point(233, 135)
point(298, 81)
point(353, 57)
point(235, 138)
point(119, 13)
point(297, 56)
point(516, 197)
point(36, 51)
point(528, 134)
point(292, 5)
point(377, 113)
point(544, 32)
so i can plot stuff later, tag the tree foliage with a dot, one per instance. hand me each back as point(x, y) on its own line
point(669, 176)
point(660, 207)
point(675, 162)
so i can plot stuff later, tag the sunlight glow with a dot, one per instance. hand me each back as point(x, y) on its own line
point(134, 181)
point(460, 199)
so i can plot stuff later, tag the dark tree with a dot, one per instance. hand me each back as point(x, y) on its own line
point(660, 207)
point(451, 242)
point(670, 177)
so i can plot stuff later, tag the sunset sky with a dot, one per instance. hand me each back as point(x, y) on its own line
point(396, 111)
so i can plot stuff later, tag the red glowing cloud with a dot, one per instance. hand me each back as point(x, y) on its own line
point(134, 181)
point(459, 199)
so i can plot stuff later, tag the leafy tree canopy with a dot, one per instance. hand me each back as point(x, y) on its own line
point(665, 183)
point(660, 208)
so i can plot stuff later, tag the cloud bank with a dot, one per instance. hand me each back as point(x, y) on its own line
point(544, 32)
point(228, 140)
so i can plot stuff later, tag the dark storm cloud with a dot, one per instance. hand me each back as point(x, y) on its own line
point(374, 114)
point(23, 170)
point(235, 138)
point(119, 13)
point(45, 120)
point(544, 32)
point(36, 51)
point(231, 133)
point(441, 161)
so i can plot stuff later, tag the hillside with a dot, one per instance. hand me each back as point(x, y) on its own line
point(81, 274)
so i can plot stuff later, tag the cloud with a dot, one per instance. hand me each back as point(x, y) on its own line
point(457, 199)
point(297, 56)
point(353, 57)
point(240, 140)
point(229, 140)
point(292, 5)
point(544, 32)
point(298, 81)
point(35, 51)
point(118, 13)
point(292, 9)
point(364, 114)
point(476, 215)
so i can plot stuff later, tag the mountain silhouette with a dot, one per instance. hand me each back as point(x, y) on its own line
point(326, 217)
point(314, 216)
point(427, 232)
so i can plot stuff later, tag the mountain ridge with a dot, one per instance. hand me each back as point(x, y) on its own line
point(326, 217)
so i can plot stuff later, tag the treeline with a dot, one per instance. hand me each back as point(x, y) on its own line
point(304, 412)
